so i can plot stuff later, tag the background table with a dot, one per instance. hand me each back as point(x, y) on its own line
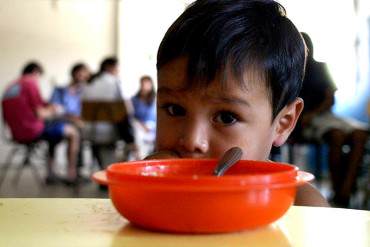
point(94, 222)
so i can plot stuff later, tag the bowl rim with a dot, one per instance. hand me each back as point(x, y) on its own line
point(283, 179)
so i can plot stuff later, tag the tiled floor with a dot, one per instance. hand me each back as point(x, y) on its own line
point(31, 186)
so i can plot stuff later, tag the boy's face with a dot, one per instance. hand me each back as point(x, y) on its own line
point(205, 122)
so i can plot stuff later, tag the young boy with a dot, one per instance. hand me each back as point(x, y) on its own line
point(229, 73)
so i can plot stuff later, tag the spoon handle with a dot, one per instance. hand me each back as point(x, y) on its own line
point(230, 157)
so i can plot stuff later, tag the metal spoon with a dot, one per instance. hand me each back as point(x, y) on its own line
point(229, 158)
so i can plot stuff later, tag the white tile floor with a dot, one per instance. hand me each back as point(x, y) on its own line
point(31, 186)
point(28, 186)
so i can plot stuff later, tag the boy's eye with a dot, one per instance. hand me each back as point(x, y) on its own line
point(174, 110)
point(226, 118)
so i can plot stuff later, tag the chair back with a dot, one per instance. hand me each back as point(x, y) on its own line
point(103, 111)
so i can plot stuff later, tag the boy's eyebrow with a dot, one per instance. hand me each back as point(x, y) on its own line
point(216, 98)
point(228, 100)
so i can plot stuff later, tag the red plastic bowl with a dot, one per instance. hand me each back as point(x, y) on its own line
point(181, 195)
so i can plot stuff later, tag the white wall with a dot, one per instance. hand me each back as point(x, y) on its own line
point(60, 32)
point(55, 32)
point(142, 25)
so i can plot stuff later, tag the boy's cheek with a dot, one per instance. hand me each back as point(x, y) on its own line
point(166, 135)
point(165, 144)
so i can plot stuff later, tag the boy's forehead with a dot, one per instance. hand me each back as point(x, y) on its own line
point(174, 75)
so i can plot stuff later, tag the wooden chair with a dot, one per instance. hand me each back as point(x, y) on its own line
point(94, 112)
point(103, 111)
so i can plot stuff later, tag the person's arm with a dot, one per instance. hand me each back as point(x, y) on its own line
point(129, 107)
point(40, 107)
point(57, 96)
point(48, 111)
point(307, 195)
point(140, 124)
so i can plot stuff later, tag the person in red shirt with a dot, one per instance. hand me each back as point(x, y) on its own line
point(30, 119)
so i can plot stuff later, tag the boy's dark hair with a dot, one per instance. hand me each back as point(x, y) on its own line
point(217, 35)
point(32, 67)
point(77, 67)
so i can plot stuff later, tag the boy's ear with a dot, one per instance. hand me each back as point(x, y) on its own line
point(286, 120)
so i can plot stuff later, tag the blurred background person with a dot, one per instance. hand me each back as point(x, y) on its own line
point(144, 105)
point(69, 99)
point(105, 86)
point(31, 119)
point(319, 123)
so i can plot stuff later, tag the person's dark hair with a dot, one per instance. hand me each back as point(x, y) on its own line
point(149, 98)
point(105, 65)
point(309, 45)
point(32, 67)
point(108, 63)
point(217, 35)
point(76, 68)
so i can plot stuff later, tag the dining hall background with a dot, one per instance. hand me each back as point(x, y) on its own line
point(58, 33)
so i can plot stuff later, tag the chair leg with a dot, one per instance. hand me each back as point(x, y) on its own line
point(36, 174)
point(96, 155)
point(22, 165)
point(34, 152)
point(7, 164)
point(366, 202)
point(319, 166)
point(27, 163)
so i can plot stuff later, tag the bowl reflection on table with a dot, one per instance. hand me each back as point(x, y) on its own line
point(181, 195)
point(269, 236)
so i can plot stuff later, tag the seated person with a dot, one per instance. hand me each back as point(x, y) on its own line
point(320, 124)
point(229, 73)
point(105, 86)
point(144, 106)
point(69, 99)
point(30, 119)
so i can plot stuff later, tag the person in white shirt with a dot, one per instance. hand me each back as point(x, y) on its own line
point(105, 86)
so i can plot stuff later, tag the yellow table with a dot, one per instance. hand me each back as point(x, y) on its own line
point(94, 222)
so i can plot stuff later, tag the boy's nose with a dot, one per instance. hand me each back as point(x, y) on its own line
point(194, 140)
